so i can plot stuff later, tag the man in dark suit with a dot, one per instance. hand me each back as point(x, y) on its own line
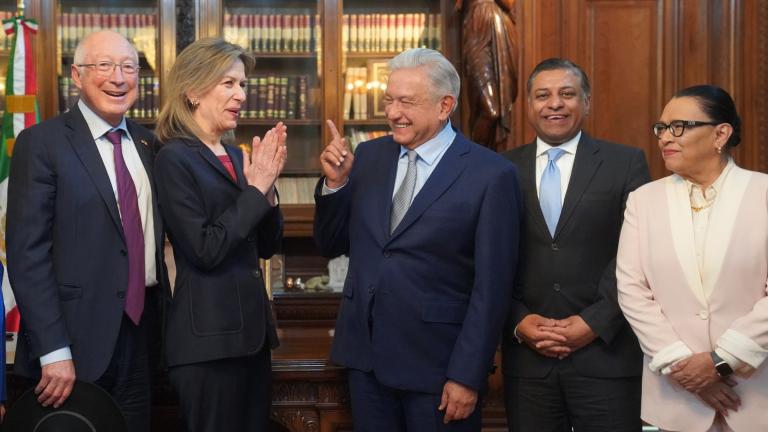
point(85, 239)
point(570, 359)
point(430, 263)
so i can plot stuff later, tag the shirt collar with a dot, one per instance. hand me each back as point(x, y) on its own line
point(569, 146)
point(97, 125)
point(717, 185)
point(430, 150)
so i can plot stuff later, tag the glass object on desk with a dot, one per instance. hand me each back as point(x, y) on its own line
point(137, 21)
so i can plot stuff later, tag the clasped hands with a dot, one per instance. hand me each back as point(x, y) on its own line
point(555, 338)
point(698, 375)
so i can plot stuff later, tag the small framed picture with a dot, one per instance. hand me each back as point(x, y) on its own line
point(378, 75)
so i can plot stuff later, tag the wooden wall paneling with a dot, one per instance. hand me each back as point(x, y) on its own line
point(693, 25)
point(209, 18)
point(619, 47)
point(752, 99)
point(540, 35)
point(331, 60)
point(167, 42)
point(45, 12)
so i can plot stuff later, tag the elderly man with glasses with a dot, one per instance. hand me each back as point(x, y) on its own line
point(85, 240)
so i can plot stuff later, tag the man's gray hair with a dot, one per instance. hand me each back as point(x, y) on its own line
point(441, 73)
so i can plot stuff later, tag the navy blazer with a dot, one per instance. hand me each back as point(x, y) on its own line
point(219, 228)
point(67, 259)
point(574, 272)
point(437, 290)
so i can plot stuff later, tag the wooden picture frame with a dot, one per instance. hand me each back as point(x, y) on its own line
point(378, 75)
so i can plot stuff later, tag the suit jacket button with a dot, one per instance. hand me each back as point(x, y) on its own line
point(387, 253)
point(556, 287)
point(371, 289)
point(123, 252)
point(703, 314)
point(555, 247)
point(121, 294)
point(256, 273)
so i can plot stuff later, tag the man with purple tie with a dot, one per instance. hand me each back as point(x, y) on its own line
point(85, 240)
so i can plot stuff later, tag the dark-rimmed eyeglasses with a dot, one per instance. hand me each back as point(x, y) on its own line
point(678, 127)
point(107, 67)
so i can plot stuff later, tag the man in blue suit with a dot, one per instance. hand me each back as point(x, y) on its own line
point(431, 222)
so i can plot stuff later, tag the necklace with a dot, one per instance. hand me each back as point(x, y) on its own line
point(707, 201)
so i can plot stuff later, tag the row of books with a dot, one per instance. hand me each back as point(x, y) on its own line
point(147, 104)
point(390, 32)
point(141, 29)
point(356, 136)
point(276, 97)
point(273, 32)
point(356, 86)
point(296, 190)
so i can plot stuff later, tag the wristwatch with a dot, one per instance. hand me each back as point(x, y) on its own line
point(721, 366)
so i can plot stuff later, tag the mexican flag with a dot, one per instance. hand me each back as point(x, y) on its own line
point(20, 112)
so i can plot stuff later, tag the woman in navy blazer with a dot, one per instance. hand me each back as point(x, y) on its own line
point(220, 207)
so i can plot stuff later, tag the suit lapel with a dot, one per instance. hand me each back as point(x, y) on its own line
point(527, 172)
point(681, 224)
point(82, 142)
point(213, 160)
point(445, 173)
point(722, 218)
point(585, 164)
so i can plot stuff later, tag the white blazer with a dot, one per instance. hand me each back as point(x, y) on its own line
point(662, 292)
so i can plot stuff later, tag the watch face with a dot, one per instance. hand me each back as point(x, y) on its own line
point(723, 369)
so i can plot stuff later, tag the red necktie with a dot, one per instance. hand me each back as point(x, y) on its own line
point(132, 229)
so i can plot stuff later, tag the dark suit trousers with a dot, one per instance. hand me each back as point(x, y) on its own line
point(233, 394)
point(127, 377)
point(564, 399)
point(378, 408)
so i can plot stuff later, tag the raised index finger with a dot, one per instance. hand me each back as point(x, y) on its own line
point(334, 131)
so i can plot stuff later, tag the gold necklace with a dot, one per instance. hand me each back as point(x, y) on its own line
point(708, 204)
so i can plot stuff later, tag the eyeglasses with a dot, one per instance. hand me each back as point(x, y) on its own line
point(677, 127)
point(106, 68)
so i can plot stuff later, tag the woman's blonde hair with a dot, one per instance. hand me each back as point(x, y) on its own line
point(197, 69)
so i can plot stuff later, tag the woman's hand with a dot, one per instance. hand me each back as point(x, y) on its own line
point(695, 372)
point(721, 396)
point(267, 159)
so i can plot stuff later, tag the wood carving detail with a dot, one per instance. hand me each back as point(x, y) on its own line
point(297, 420)
point(761, 86)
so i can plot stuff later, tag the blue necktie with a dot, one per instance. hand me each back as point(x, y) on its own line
point(550, 197)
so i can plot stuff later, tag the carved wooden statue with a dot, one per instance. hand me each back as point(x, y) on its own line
point(489, 48)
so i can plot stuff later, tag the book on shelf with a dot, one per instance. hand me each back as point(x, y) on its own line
point(253, 98)
point(302, 95)
point(356, 136)
point(275, 97)
point(292, 100)
point(269, 33)
point(297, 190)
point(389, 32)
point(139, 28)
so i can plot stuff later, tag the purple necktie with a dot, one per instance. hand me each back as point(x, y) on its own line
point(134, 234)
